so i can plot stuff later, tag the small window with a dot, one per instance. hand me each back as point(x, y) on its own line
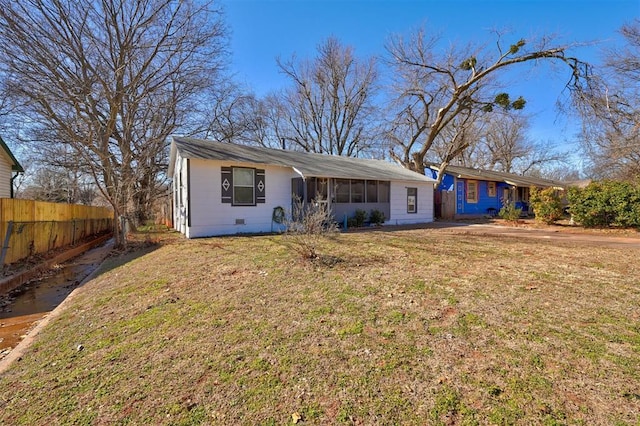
point(472, 191)
point(491, 189)
point(342, 190)
point(243, 184)
point(383, 191)
point(357, 191)
point(412, 200)
point(372, 191)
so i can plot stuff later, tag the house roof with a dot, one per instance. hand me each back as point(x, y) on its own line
point(15, 166)
point(509, 178)
point(304, 163)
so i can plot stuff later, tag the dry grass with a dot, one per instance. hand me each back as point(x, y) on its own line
point(407, 327)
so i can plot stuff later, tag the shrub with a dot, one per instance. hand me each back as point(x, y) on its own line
point(606, 203)
point(509, 212)
point(308, 225)
point(547, 204)
point(359, 218)
point(377, 217)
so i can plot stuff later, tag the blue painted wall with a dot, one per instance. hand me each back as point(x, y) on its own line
point(485, 202)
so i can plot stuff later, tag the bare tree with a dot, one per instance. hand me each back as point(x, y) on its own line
point(504, 145)
point(111, 79)
point(610, 110)
point(235, 113)
point(436, 91)
point(59, 185)
point(329, 107)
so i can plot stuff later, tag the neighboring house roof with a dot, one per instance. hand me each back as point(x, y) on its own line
point(582, 183)
point(509, 178)
point(304, 163)
point(15, 166)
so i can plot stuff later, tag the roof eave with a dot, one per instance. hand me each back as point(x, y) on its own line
point(15, 167)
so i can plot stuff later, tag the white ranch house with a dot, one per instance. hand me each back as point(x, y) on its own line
point(223, 189)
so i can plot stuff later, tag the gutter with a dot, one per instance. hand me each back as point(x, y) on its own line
point(11, 183)
point(299, 172)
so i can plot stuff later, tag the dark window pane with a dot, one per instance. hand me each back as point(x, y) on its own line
point(357, 191)
point(243, 195)
point(372, 191)
point(342, 190)
point(383, 192)
point(311, 189)
point(322, 186)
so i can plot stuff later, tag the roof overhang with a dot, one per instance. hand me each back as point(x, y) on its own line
point(304, 164)
point(488, 175)
point(15, 165)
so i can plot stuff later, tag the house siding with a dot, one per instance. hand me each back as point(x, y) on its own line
point(209, 216)
point(340, 210)
point(5, 175)
point(484, 203)
point(398, 198)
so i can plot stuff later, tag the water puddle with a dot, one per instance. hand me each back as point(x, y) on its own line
point(22, 307)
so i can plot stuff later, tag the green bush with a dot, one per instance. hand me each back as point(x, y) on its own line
point(510, 212)
point(606, 203)
point(546, 203)
point(377, 217)
point(359, 218)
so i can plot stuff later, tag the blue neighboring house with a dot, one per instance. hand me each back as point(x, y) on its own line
point(466, 192)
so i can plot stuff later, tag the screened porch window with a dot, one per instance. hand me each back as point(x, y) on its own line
point(372, 191)
point(357, 191)
point(342, 191)
point(361, 191)
point(383, 191)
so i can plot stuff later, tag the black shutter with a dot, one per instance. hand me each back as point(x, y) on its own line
point(261, 189)
point(227, 184)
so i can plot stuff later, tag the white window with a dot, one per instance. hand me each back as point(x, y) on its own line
point(491, 189)
point(472, 191)
point(243, 186)
point(412, 200)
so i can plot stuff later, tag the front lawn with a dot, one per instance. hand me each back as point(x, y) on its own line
point(422, 326)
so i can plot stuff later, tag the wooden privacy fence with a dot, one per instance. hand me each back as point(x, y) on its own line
point(30, 227)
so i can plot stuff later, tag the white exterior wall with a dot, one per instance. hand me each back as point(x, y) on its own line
point(398, 199)
point(5, 175)
point(209, 216)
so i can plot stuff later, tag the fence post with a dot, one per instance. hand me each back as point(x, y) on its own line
point(5, 245)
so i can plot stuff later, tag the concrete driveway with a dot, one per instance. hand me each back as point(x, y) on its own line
point(565, 235)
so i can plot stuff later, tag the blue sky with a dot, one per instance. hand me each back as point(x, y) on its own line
point(262, 30)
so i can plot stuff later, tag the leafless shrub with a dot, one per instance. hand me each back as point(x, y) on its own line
point(308, 225)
